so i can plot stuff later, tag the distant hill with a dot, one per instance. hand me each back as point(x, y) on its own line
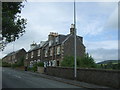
point(108, 61)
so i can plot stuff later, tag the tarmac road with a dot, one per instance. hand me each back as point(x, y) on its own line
point(12, 78)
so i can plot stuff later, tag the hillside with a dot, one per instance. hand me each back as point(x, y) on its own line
point(108, 61)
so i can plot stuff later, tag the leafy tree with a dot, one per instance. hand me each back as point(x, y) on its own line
point(84, 62)
point(13, 26)
point(21, 61)
point(68, 61)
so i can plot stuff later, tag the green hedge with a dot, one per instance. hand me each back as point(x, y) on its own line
point(35, 65)
point(5, 64)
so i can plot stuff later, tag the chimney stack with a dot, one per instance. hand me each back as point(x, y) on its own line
point(33, 45)
point(52, 35)
point(72, 28)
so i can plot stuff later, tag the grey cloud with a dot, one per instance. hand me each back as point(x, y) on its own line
point(101, 54)
point(112, 22)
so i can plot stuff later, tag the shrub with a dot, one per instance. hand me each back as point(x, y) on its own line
point(40, 64)
point(34, 68)
point(19, 63)
point(5, 64)
point(83, 62)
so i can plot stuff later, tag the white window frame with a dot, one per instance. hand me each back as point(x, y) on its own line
point(58, 50)
point(46, 52)
point(51, 51)
point(50, 43)
point(32, 54)
point(27, 56)
point(56, 39)
point(39, 52)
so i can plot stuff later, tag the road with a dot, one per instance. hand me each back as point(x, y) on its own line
point(12, 78)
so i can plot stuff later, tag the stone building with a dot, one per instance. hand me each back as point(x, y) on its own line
point(52, 51)
point(15, 56)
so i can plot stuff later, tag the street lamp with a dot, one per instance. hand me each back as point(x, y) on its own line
point(75, 63)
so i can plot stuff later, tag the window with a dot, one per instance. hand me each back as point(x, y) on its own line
point(51, 51)
point(26, 56)
point(13, 56)
point(38, 60)
point(32, 54)
point(46, 52)
point(39, 52)
point(57, 39)
point(58, 50)
point(50, 42)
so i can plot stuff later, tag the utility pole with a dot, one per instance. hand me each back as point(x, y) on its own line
point(75, 63)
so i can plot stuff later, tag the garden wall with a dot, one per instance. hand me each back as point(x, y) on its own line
point(109, 78)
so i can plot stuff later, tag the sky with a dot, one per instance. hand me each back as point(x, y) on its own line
point(97, 23)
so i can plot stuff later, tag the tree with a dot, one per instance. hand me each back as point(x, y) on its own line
point(84, 62)
point(13, 26)
point(109, 65)
point(68, 61)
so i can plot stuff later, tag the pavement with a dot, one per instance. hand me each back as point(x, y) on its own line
point(29, 79)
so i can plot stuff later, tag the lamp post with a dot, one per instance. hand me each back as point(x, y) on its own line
point(75, 63)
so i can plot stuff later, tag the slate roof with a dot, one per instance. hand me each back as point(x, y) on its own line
point(38, 46)
point(62, 39)
point(14, 52)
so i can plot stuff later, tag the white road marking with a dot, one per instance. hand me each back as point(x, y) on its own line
point(17, 76)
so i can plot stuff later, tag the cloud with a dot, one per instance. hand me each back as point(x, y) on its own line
point(112, 22)
point(44, 18)
point(101, 54)
point(103, 50)
point(92, 28)
point(96, 18)
point(109, 44)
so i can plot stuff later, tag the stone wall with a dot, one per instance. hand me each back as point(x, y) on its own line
point(109, 78)
point(69, 47)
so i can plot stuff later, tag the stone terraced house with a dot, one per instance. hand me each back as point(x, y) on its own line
point(52, 51)
point(15, 56)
